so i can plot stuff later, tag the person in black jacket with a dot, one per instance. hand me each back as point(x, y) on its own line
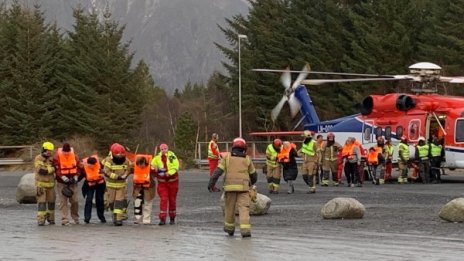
point(289, 166)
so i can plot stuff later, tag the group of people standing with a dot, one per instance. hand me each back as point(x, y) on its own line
point(57, 174)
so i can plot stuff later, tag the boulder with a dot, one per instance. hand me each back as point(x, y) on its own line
point(453, 211)
point(26, 190)
point(260, 207)
point(343, 208)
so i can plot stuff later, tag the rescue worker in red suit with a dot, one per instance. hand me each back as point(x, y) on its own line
point(44, 173)
point(144, 189)
point(310, 154)
point(67, 176)
point(94, 184)
point(166, 166)
point(240, 175)
point(329, 159)
point(273, 167)
point(117, 168)
point(213, 156)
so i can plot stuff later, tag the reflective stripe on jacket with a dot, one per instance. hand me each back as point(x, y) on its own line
point(237, 172)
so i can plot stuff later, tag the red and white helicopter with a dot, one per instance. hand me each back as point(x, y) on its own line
point(421, 114)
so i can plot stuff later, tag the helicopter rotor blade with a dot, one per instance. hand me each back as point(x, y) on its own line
point(286, 79)
point(294, 105)
point(455, 79)
point(322, 81)
point(323, 73)
point(275, 112)
point(301, 76)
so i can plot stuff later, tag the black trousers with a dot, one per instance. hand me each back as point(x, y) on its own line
point(98, 190)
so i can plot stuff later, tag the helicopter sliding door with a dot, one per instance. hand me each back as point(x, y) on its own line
point(435, 126)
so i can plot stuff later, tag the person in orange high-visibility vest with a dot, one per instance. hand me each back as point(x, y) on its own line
point(67, 169)
point(94, 185)
point(375, 161)
point(352, 158)
point(289, 167)
point(144, 189)
point(166, 165)
point(213, 156)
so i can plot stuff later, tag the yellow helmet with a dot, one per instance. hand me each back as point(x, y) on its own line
point(48, 146)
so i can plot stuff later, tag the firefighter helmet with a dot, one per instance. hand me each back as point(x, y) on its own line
point(117, 149)
point(421, 138)
point(239, 143)
point(48, 146)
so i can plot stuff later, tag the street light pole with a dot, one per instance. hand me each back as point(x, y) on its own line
point(240, 36)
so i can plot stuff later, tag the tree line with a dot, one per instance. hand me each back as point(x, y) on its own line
point(57, 84)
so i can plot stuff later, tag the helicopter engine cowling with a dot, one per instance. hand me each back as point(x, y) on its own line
point(379, 103)
point(405, 102)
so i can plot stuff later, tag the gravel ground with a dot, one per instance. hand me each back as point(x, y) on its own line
point(401, 223)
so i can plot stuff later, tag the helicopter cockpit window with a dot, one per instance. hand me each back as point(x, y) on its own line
point(460, 130)
point(388, 132)
point(399, 132)
point(414, 130)
point(367, 134)
point(378, 132)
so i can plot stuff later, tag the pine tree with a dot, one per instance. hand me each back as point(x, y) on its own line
point(185, 138)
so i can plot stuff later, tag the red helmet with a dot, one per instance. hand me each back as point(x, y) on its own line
point(117, 149)
point(239, 143)
point(330, 134)
point(277, 142)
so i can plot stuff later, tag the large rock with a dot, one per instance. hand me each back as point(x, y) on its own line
point(26, 190)
point(343, 208)
point(260, 207)
point(453, 211)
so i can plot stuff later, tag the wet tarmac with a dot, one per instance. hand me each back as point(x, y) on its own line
point(401, 223)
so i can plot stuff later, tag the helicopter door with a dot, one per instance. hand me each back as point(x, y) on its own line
point(436, 125)
point(368, 132)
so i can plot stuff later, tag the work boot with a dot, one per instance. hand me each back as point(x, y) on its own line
point(172, 221)
point(291, 188)
point(162, 222)
point(86, 221)
point(118, 223)
point(312, 190)
point(103, 220)
point(41, 223)
point(377, 182)
point(246, 234)
point(229, 232)
point(51, 222)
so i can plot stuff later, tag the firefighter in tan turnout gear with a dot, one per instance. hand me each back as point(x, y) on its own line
point(45, 183)
point(273, 167)
point(116, 169)
point(240, 174)
point(309, 153)
point(329, 159)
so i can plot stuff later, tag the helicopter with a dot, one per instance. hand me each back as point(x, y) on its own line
point(424, 113)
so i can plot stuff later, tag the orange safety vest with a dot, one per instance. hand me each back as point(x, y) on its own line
point(347, 151)
point(92, 172)
point(373, 157)
point(142, 175)
point(68, 164)
point(284, 154)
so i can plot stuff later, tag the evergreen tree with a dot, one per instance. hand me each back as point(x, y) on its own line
point(185, 138)
point(27, 73)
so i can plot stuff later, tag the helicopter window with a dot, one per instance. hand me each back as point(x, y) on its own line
point(414, 130)
point(399, 132)
point(388, 133)
point(460, 130)
point(367, 134)
point(378, 132)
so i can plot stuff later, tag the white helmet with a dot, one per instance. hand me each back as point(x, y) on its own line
point(421, 138)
